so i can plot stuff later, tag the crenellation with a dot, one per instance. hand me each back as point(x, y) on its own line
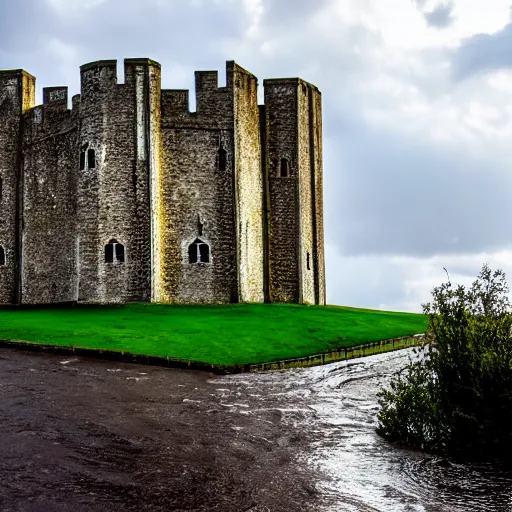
point(56, 96)
point(175, 104)
point(97, 78)
point(75, 103)
point(129, 196)
point(133, 66)
point(206, 81)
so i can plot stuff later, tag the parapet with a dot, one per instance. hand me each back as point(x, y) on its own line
point(24, 96)
point(8, 73)
point(99, 64)
point(130, 66)
point(293, 82)
point(175, 102)
point(56, 96)
point(206, 81)
point(98, 76)
point(75, 102)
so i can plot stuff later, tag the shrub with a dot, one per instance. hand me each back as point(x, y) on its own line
point(455, 396)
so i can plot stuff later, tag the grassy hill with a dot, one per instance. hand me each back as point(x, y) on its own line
point(220, 335)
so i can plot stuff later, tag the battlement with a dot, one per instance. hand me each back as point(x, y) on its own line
point(19, 86)
point(131, 65)
point(98, 76)
point(175, 102)
point(102, 74)
point(55, 96)
point(293, 82)
point(75, 102)
point(98, 65)
point(211, 99)
point(8, 73)
point(207, 81)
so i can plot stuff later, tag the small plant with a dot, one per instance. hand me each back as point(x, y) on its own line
point(455, 395)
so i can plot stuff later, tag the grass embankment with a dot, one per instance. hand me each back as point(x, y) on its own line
point(219, 335)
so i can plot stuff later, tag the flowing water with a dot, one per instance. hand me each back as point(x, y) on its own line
point(79, 434)
point(337, 404)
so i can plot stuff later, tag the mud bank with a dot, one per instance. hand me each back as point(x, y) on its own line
point(85, 435)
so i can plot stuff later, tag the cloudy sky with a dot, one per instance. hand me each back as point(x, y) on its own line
point(417, 99)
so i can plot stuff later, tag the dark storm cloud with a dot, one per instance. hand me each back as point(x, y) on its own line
point(441, 16)
point(483, 53)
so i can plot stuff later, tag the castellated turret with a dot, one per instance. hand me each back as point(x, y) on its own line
point(131, 197)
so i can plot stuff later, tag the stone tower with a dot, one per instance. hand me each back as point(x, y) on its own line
point(292, 134)
point(119, 149)
point(130, 196)
point(213, 188)
point(17, 94)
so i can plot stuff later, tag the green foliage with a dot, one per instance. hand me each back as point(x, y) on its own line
point(222, 335)
point(455, 396)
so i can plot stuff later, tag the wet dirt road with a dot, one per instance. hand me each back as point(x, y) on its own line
point(91, 435)
point(80, 434)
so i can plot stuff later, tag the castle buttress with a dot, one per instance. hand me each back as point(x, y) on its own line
point(130, 197)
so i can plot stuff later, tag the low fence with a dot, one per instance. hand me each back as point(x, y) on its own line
point(341, 354)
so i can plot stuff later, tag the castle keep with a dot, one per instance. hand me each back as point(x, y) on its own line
point(130, 196)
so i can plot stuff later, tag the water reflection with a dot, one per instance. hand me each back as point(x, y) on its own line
point(337, 405)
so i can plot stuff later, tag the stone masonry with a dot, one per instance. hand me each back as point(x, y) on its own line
point(130, 197)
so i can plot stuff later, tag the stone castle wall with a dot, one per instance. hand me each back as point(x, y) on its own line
point(249, 187)
point(294, 169)
point(315, 118)
point(114, 193)
point(198, 191)
point(129, 196)
point(48, 203)
point(17, 93)
point(283, 223)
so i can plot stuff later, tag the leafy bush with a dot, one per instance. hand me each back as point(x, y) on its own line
point(455, 396)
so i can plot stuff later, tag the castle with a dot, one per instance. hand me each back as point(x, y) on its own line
point(130, 196)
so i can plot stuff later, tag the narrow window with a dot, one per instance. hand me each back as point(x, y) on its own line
point(2, 256)
point(119, 253)
point(192, 253)
point(204, 253)
point(82, 160)
point(1, 187)
point(109, 253)
point(222, 159)
point(309, 263)
point(91, 159)
point(114, 252)
point(198, 252)
point(285, 168)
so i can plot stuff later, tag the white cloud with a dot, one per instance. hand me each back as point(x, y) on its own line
point(404, 283)
point(255, 10)
point(73, 7)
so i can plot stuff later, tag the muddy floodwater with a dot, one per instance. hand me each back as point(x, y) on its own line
point(78, 434)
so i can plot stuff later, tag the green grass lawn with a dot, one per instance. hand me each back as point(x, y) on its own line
point(221, 335)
